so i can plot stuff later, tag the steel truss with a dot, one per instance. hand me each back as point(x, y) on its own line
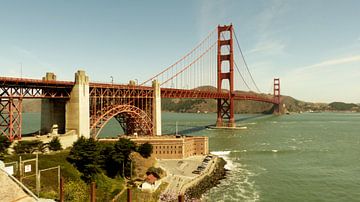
point(130, 105)
point(32, 88)
point(10, 118)
point(131, 118)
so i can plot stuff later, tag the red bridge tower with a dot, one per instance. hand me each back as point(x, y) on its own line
point(225, 106)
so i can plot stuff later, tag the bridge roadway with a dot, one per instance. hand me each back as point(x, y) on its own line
point(36, 88)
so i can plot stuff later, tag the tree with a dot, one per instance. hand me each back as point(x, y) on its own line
point(55, 144)
point(107, 161)
point(145, 150)
point(4, 145)
point(91, 157)
point(85, 156)
point(121, 153)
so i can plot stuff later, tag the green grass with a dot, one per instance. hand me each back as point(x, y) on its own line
point(75, 188)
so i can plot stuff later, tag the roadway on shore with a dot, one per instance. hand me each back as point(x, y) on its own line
point(179, 172)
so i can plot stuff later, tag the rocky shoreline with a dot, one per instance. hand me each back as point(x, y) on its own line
point(208, 181)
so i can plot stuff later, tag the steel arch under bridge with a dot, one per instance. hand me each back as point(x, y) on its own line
point(131, 118)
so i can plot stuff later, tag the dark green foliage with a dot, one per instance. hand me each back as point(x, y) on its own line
point(120, 156)
point(157, 172)
point(4, 145)
point(85, 155)
point(29, 147)
point(55, 144)
point(343, 106)
point(91, 157)
point(106, 160)
point(145, 150)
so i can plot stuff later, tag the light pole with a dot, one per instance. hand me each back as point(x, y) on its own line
point(20, 69)
point(112, 80)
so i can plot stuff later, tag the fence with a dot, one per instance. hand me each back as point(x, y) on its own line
point(48, 181)
point(12, 168)
point(43, 182)
point(28, 171)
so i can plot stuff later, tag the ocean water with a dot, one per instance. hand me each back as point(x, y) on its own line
point(300, 157)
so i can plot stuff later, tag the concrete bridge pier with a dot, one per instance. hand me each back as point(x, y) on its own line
point(78, 107)
point(156, 108)
point(52, 111)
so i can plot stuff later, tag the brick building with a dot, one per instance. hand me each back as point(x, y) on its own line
point(173, 147)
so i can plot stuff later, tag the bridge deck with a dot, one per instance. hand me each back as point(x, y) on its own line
point(37, 88)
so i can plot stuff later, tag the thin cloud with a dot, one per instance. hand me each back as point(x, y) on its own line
point(331, 62)
point(206, 18)
point(269, 14)
point(267, 41)
point(270, 46)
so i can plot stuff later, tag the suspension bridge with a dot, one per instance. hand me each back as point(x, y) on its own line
point(214, 69)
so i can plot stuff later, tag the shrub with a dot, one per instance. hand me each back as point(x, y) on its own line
point(76, 191)
point(145, 150)
point(4, 145)
point(29, 147)
point(55, 144)
point(157, 172)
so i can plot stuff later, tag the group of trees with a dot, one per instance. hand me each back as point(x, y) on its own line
point(91, 157)
point(28, 147)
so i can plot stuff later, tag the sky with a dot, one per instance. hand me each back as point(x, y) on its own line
point(312, 46)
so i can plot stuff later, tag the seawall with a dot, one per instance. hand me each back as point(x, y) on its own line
point(195, 190)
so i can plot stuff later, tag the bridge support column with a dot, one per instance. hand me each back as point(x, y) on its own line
point(277, 95)
point(156, 106)
point(52, 111)
point(78, 107)
point(225, 107)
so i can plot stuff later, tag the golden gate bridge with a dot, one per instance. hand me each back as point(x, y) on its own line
point(211, 70)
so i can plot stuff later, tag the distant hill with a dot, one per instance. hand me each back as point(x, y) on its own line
point(341, 106)
point(289, 104)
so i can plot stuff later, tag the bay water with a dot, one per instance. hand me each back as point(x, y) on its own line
point(299, 157)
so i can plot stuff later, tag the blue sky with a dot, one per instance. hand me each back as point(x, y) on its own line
point(313, 46)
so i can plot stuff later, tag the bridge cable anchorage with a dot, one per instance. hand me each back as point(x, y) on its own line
point(181, 59)
point(247, 68)
point(237, 68)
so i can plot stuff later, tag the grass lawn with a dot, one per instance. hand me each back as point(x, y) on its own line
point(75, 188)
